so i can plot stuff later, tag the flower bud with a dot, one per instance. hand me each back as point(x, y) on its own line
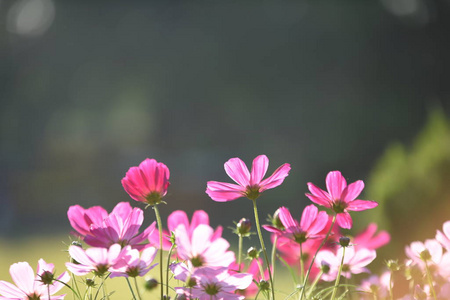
point(243, 227)
point(90, 282)
point(276, 222)
point(151, 284)
point(253, 253)
point(47, 277)
point(393, 265)
point(264, 285)
point(344, 241)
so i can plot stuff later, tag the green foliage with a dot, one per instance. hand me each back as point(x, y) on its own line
point(411, 186)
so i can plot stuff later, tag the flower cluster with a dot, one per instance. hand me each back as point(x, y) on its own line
point(200, 259)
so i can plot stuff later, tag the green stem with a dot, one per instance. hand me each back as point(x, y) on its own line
point(430, 281)
point(261, 269)
point(137, 288)
point(315, 254)
point(313, 285)
point(258, 227)
point(274, 248)
point(131, 289)
point(158, 220)
point(168, 264)
point(240, 252)
point(302, 268)
point(336, 283)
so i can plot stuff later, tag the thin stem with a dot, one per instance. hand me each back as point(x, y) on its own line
point(430, 281)
point(240, 252)
point(131, 289)
point(158, 220)
point(315, 254)
point(391, 292)
point(258, 227)
point(261, 269)
point(137, 288)
point(274, 250)
point(313, 285)
point(48, 291)
point(302, 267)
point(168, 264)
point(336, 283)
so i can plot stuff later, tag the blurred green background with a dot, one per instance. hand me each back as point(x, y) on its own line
point(88, 89)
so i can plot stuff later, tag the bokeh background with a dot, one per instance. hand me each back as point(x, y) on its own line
point(88, 89)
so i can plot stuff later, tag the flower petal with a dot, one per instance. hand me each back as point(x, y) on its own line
point(359, 205)
point(344, 220)
point(176, 218)
point(276, 178)
point(23, 276)
point(308, 217)
point(238, 171)
point(259, 169)
point(318, 200)
point(352, 191)
point(222, 192)
point(10, 290)
point(335, 184)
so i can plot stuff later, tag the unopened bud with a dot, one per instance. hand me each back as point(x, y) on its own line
point(344, 241)
point(253, 253)
point(243, 227)
point(90, 282)
point(151, 284)
point(264, 285)
point(47, 277)
point(276, 221)
point(393, 265)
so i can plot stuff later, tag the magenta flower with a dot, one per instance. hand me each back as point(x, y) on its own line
point(202, 247)
point(368, 239)
point(147, 183)
point(121, 226)
point(310, 226)
point(30, 285)
point(355, 261)
point(249, 185)
point(97, 260)
point(210, 283)
point(136, 265)
point(340, 197)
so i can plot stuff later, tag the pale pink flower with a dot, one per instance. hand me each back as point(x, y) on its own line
point(355, 261)
point(379, 285)
point(253, 269)
point(341, 198)
point(310, 226)
point(249, 185)
point(209, 283)
point(148, 182)
point(179, 217)
point(202, 248)
point(444, 237)
point(121, 226)
point(368, 239)
point(97, 260)
point(137, 264)
point(430, 251)
point(29, 285)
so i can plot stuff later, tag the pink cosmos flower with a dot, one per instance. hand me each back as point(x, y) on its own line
point(249, 185)
point(378, 285)
point(431, 251)
point(368, 239)
point(29, 285)
point(97, 260)
point(209, 283)
point(355, 261)
point(340, 197)
point(253, 269)
point(202, 247)
point(121, 226)
point(444, 237)
point(179, 217)
point(147, 183)
point(309, 227)
point(136, 265)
